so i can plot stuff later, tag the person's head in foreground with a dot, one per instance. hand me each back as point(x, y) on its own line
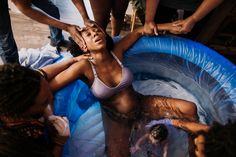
point(94, 40)
point(157, 133)
point(24, 93)
point(219, 141)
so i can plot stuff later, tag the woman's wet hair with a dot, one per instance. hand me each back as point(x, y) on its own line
point(220, 140)
point(75, 50)
point(159, 132)
point(19, 87)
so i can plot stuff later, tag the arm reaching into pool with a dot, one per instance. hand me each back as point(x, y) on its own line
point(189, 126)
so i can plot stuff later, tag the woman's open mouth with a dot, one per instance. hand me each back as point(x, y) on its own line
point(98, 40)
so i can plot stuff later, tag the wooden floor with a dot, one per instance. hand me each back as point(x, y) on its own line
point(28, 33)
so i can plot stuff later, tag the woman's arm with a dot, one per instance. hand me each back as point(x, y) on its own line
point(132, 37)
point(53, 69)
point(73, 72)
point(127, 41)
point(193, 127)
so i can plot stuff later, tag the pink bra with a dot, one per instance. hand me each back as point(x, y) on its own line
point(102, 91)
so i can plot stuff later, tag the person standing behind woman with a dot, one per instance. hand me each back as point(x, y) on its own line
point(8, 47)
point(188, 17)
point(56, 26)
point(104, 9)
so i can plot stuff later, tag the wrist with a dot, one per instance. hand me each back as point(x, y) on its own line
point(194, 19)
point(85, 18)
point(149, 21)
point(67, 27)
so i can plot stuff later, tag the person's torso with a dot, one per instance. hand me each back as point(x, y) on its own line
point(103, 91)
point(122, 97)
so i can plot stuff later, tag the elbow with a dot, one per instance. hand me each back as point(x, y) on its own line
point(23, 6)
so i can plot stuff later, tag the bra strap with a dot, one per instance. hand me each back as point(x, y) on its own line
point(117, 59)
point(93, 68)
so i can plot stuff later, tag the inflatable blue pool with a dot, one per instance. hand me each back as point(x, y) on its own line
point(163, 65)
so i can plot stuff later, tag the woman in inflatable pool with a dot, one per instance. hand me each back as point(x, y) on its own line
point(111, 83)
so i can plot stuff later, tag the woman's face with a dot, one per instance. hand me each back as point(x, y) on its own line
point(94, 38)
point(43, 99)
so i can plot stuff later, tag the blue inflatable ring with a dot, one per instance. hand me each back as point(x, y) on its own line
point(199, 70)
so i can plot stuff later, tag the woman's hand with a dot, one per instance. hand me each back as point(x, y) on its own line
point(61, 126)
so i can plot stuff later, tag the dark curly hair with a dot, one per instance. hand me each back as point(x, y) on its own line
point(221, 140)
point(75, 50)
point(159, 132)
point(19, 86)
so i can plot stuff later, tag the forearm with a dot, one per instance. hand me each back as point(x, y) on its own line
point(53, 69)
point(26, 8)
point(205, 7)
point(81, 7)
point(193, 127)
point(128, 41)
point(151, 7)
point(163, 26)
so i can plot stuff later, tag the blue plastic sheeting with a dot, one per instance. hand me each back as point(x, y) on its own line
point(162, 65)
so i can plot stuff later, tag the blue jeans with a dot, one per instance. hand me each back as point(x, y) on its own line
point(48, 7)
point(8, 48)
